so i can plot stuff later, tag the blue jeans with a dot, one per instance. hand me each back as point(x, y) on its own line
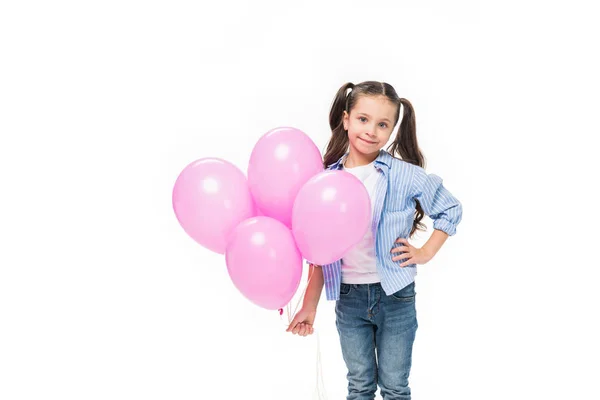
point(376, 335)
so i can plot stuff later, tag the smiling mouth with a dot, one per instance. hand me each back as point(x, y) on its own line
point(364, 140)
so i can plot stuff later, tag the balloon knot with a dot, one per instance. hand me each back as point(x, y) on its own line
point(280, 311)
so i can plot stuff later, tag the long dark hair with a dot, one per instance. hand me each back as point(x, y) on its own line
point(405, 144)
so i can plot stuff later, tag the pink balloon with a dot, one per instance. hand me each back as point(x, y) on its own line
point(281, 162)
point(210, 198)
point(331, 214)
point(264, 262)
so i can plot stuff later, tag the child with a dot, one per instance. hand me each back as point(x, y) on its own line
point(373, 285)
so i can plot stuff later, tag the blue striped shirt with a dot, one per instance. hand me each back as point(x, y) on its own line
point(399, 185)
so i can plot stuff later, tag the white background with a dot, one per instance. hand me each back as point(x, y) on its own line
point(102, 104)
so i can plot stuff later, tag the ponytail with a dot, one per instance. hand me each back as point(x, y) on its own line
point(405, 145)
point(338, 144)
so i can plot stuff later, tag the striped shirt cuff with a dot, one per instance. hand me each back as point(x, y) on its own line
point(444, 225)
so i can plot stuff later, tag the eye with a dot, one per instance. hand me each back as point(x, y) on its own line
point(361, 118)
point(384, 125)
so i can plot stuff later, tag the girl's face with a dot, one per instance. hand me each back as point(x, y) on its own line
point(370, 124)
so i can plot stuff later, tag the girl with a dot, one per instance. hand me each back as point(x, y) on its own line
point(373, 285)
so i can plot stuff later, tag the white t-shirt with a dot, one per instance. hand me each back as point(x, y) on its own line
point(359, 264)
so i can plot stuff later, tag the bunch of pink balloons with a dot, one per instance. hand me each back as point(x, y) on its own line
point(287, 209)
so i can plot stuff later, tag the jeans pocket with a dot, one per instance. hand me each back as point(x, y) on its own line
point(406, 294)
point(345, 289)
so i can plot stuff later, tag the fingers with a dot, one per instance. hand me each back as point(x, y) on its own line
point(305, 329)
point(407, 262)
point(301, 329)
point(293, 324)
point(297, 328)
point(406, 253)
point(406, 256)
point(400, 248)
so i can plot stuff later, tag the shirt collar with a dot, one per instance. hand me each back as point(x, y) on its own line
point(383, 160)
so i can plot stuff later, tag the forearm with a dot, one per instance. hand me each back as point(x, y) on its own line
point(435, 242)
point(315, 287)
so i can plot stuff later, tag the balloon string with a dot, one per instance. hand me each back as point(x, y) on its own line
point(310, 274)
point(288, 307)
point(320, 392)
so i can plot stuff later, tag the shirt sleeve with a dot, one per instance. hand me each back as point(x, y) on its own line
point(437, 202)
